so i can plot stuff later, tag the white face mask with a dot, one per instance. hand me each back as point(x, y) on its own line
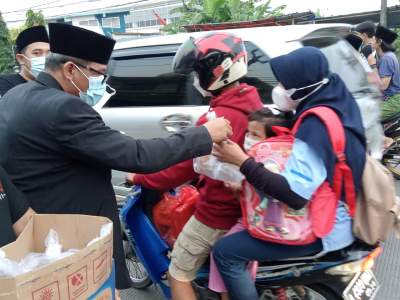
point(249, 142)
point(282, 98)
point(96, 90)
point(37, 64)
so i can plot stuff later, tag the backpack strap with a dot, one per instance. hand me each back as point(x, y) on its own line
point(342, 173)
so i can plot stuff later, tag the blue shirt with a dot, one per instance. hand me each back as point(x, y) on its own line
point(305, 172)
point(388, 66)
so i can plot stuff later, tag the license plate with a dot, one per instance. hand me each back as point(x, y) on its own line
point(363, 286)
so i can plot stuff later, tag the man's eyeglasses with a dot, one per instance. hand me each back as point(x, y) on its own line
point(105, 76)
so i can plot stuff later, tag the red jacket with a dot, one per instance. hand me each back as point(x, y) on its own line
point(217, 207)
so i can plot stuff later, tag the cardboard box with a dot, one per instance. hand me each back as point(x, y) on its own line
point(74, 277)
point(107, 290)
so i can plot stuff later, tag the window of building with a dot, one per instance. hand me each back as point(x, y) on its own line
point(111, 22)
point(128, 21)
point(89, 23)
point(147, 18)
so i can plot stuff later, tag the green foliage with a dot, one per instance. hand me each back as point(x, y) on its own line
point(219, 11)
point(34, 18)
point(6, 53)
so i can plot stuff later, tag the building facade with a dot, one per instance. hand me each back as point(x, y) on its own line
point(138, 17)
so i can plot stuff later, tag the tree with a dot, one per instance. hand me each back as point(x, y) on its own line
point(219, 11)
point(6, 53)
point(34, 19)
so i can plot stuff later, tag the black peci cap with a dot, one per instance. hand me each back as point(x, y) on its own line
point(31, 35)
point(80, 43)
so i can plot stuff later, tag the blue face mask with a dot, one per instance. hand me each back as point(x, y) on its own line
point(96, 90)
point(37, 64)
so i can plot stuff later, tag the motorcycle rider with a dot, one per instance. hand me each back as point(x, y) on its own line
point(219, 61)
point(366, 30)
point(305, 82)
point(389, 71)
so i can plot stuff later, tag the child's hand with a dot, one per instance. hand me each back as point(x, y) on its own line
point(230, 152)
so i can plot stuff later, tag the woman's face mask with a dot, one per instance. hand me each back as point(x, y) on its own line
point(282, 98)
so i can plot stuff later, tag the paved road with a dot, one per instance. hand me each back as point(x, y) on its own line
point(387, 271)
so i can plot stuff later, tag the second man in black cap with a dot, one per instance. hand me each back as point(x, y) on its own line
point(32, 46)
point(58, 150)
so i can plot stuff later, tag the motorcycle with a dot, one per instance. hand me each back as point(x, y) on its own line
point(344, 274)
point(391, 155)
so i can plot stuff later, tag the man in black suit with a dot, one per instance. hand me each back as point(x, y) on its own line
point(59, 152)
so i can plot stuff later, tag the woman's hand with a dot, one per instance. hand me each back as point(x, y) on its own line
point(230, 152)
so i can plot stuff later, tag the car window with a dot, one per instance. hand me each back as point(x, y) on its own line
point(259, 72)
point(144, 78)
point(147, 80)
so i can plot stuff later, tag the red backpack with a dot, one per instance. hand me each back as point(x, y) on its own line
point(271, 220)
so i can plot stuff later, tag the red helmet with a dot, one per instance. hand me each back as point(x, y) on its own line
point(218, 58)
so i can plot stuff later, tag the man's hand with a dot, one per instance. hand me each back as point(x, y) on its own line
point(230, 152)
point(219, 129)
point(130, 178)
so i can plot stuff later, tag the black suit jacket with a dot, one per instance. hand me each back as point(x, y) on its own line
point(59, 152)
point(8, 81)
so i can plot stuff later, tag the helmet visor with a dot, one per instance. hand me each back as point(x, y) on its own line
point(186, 57)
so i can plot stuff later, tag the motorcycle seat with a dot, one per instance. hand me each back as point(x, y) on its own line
point(356, 250)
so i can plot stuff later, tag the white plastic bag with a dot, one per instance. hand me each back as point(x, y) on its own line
point(211, 167)
point(104, 231)
point(34, 260)
point(370, 113)
point(8, 267)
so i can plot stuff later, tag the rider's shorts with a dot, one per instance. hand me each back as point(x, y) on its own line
point(192, 248)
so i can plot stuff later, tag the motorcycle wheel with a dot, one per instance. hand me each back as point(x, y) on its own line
point(393, 165)
point(140, 279)
point(305, 292)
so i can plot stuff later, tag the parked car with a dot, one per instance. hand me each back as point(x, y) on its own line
point(152, 101)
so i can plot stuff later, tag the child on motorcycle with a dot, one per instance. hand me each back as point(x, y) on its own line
point(218, 61)
point(259, 128)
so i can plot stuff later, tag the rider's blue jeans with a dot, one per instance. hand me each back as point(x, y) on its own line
point(232, 254)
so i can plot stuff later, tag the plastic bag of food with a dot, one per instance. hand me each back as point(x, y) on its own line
point(104, 231)
point(35, 260)
point(211, 167)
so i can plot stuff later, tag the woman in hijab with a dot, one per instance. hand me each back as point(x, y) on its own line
point(305, 82)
